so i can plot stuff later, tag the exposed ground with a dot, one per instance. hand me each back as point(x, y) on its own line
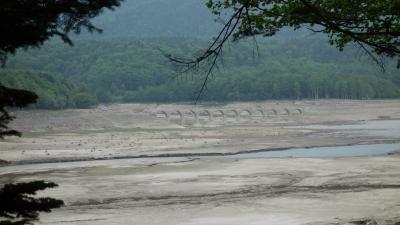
point(125, 164)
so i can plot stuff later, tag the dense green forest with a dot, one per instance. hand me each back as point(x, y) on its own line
point(134, 70)
point(53, 92)
point(126, 64)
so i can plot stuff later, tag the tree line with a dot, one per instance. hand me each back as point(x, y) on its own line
point(135, 70)
point(283, 86)
point(53, 92)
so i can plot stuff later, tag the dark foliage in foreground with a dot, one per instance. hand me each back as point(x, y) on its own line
point(18, 206)
point(12, 98)
point(30, 23)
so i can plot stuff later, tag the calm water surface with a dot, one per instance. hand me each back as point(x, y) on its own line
point(321, 152)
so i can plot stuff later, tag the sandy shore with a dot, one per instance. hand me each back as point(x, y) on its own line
point(179, 188)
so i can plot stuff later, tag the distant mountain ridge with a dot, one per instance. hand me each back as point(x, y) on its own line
point(163, 18)
point(157, 18)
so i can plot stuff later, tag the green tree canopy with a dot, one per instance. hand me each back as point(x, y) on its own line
point(374, 25)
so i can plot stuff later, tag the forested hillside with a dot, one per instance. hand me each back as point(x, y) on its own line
point(126, 64)
point(53, 92)
point(134, 70)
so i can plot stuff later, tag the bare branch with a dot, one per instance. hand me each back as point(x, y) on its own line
point(212, 53)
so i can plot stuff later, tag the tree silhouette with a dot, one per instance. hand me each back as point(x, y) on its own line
point(12, 98)
point(26, 24)
point(31, 23)
point(18, 206)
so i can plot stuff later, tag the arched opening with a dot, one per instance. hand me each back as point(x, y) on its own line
point(205, 116)
point(246, 114)
point(162, 115)
point(272, 113)
point(191, 117)
point(285, 112)
point(176, 117)
point(219, 115)
point(297, 112)
point(232, 115)
point(258, 114)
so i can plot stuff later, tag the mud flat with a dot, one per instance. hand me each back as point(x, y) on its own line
point(121, 164)
point(133, 130)
point(221, 191)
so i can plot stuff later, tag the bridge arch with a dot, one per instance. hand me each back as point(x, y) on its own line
point(176, 115)
point(205, 113)
point(286, 112)
point(191, 116)
point(246, 113)
point(299, 111)
point(194, 113)
point(232, 113)
point(272, 113)
point(162, 114)
point(219, 113)
point(259, 113)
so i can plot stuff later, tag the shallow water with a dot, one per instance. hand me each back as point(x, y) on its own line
point(323, 152)
point(384, 128)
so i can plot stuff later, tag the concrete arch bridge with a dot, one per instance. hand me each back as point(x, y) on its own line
point(194, 116)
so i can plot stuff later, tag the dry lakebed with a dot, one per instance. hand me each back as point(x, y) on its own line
point(274, 162)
